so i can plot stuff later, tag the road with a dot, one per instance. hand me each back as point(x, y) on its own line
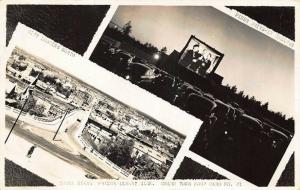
point(61, 149)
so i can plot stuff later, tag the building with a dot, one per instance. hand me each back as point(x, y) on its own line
point(62, 96)
point(9, 87)
point(28, 79)
point(102, 124)
point(55, 111)
point(101, 119)
point(80, 98)
point(12, 72)
point(98, 133)
point(140, 148)
point(42, 85)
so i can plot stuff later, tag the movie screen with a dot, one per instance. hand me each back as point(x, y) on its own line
point(199, 57)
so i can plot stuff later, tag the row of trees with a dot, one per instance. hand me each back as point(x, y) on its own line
point(255, 107)
point(124, 36)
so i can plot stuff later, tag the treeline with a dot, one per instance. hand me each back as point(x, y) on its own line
point(125, 37)
point(255, 107)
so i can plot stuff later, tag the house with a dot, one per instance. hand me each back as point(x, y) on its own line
point(28, 79)
point(42, 85)
point(81, 98)
point(9, 87)
point(12, 72)
point(54, 110)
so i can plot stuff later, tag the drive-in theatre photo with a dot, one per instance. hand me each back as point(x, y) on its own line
point(237, 80)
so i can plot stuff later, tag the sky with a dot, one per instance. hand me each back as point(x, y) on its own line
point(255, 63)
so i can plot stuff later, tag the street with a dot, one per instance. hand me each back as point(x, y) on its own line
point(59, 148)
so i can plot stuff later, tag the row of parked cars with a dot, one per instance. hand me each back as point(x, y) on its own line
point(188, 97)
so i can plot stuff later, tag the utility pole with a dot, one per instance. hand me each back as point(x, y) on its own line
point(12, 128)
point(60, 124)
point(25, 95)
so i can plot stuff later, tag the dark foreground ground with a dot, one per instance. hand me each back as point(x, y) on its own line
point(15, 175)
point(288, 175)
point(192, 170)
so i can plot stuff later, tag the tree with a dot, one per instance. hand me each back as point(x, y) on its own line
point(120, 152)
point(39, 110)
point(176, 149)
point(147, 168)
point(241, 94)
point(30, 104)
point(233, 89)
point(22, 58)
point(34, 72)
point(164, 50)
point(127, 28)
point(265, 106)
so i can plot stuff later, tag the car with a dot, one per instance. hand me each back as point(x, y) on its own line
point(180, 95)
point(234, 104)
point(195, 90)
point(238, 111)
point(123, 56)
point(113, 50)
point(280, 140)
point(275, 126)
point(165, 86)
point(152, 79)
point(251, 123)
point(209, 96)
point(135, 59)
point(222, 109)
point(199, 106)
point(90, 176)
point(277, 133)
point(182, 92)
point(136, 72)
point(120, 61)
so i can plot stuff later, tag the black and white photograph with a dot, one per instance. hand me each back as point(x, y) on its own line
point(145, 94)
point(58, 22)
point(237, 80)
point(138, 146)
point(53, 116)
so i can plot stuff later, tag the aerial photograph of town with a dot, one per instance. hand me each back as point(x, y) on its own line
point(76, 122)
